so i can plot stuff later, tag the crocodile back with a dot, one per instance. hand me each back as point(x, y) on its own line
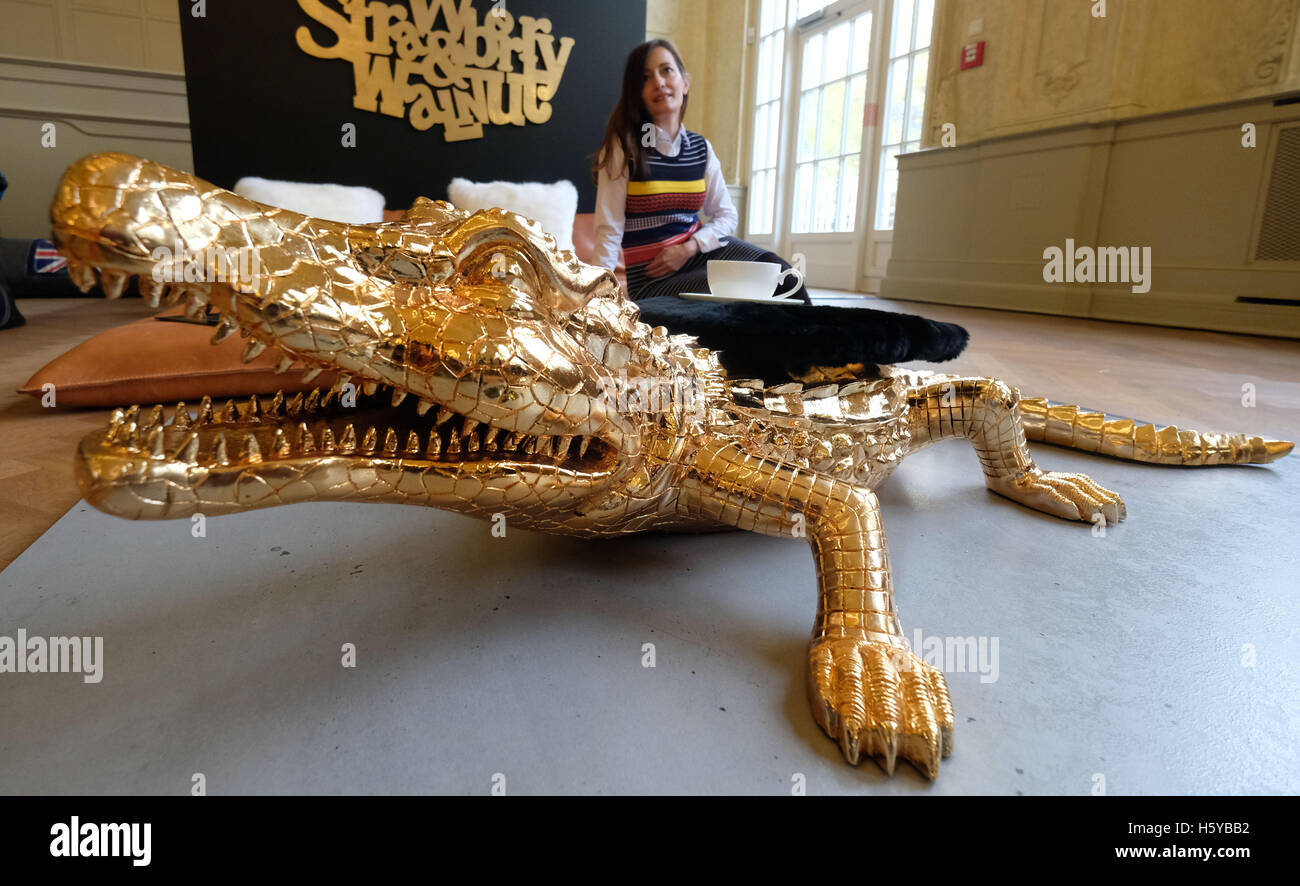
point(855, 431)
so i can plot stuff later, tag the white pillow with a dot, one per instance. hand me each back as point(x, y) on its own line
point(553, 206)
point(341, 203)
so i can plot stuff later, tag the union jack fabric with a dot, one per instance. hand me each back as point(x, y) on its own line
point(43, 258)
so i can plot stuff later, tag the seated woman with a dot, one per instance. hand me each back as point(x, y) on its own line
point(654, 177)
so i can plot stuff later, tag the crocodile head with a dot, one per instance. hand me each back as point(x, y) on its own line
point(473, 357)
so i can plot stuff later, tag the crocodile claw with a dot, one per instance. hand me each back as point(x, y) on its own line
point(1069, 496)
point(880, 700)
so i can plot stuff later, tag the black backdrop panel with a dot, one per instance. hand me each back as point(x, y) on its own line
point(259, 105)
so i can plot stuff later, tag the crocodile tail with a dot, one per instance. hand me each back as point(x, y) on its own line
point(1077, 428)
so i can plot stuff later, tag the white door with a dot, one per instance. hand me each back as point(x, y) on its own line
point(823, 175)
point(830, 143)
point(908, 64)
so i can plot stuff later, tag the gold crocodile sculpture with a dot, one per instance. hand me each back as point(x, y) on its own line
point(482, 371)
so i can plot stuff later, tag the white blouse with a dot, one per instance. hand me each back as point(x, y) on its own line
point(611, 203)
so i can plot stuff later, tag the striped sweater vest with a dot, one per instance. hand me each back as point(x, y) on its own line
point(663, 205)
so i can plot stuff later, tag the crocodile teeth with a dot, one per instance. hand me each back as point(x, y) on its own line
point(390, 442)
point(444, 414)
point(398, 396)
point(370, 440)
point(544, 445)
point(327, 440)
point(490, 437)
point(189, 453)
point(453, 444)
point(281, 443)
point(283, 366)
point(435, 445)
point(294, 406)
point(181, 417)
point(582, 446)
point(423, 406)
point(252, 452)
point(252, 350)
point(229, 413)
point(151, 290)
point(254, 411)
point(114, 282)
point(276, 407)
point(220, 456)
point(82, 275)
point(114, 422)
point(306, 443)
point(225, 329)
point(512, 442)
point(155, 444)
point(562, 445)
point(412, 443)
point(132, 413)
point(129, 435)
point(349, 441)
point(313, 400)
point(196, 306)
point(205, 410)
point(468, 428)
point(310, 375)
point(471, 443)
point(153, 418)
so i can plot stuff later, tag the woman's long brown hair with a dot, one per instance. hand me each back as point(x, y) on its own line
point(629, 115)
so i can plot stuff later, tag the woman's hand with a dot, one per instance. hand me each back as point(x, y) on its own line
point(671, 258)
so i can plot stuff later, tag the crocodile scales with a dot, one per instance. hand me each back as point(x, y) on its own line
point(492, 373)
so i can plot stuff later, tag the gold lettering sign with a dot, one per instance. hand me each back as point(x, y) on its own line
point(461, 76)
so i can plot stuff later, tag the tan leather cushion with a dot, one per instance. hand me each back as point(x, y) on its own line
point(155, 361)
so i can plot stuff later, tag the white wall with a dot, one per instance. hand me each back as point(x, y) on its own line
point(91, 108)
point(973, 221)
point(141, 34)
point(108, 74)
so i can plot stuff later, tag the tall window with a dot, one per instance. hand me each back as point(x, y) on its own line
point(833, 93)
point(767, 115)
point(836, 80)
point(909, 60)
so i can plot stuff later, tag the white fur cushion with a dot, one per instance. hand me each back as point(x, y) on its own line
point(552, 206)
point(341, 203)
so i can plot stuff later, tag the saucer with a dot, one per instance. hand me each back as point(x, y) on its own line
point(708, 296)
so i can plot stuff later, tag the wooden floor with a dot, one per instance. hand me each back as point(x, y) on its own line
point(36, 444)
point(1174, 376)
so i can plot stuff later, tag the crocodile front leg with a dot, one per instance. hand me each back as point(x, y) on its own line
point(986, 411)
point(868, 691)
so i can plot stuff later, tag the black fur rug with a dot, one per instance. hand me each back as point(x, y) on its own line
point(775, 342)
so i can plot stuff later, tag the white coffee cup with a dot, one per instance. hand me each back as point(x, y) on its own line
point(750, 279)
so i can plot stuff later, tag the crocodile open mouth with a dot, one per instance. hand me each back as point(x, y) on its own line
point(343, 422)
point(361, 419)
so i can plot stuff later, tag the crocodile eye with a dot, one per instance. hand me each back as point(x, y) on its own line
point(509, 267)
point(401, 266)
